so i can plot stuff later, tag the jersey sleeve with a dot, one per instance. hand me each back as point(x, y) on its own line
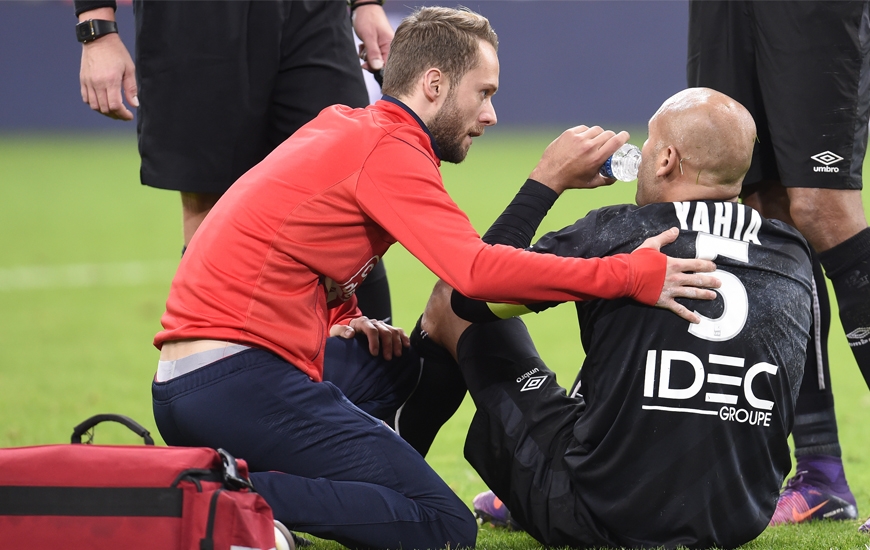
point(575, 241)
point(400, 189)
point(519, 222)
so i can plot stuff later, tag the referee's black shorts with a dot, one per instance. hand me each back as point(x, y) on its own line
point(521, 431)
point(222, 83)
point(802, 69)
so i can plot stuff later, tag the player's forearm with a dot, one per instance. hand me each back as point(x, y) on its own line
point(516, 226)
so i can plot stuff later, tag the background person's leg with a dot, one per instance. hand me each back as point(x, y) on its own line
point(814, 77)
point(373, 295)
point(817, 137)
point(194, 208)
point(205, 76)
point(833, 221)
point(319, 67)
point(819, 472)
point(815, 430)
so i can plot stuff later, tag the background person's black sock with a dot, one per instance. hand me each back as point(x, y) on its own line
point(848, 267)
point(373, 295)
point(815, 423)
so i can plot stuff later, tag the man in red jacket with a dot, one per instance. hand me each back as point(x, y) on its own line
point(246, 362)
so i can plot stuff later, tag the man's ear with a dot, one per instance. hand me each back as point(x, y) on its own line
point(434, 85)
point(667, 162)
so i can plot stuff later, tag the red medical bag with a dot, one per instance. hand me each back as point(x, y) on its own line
point(128, 497)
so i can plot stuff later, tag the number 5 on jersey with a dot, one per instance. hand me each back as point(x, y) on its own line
point(733, 318)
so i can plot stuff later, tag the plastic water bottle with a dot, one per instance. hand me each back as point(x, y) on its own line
point(623, 164)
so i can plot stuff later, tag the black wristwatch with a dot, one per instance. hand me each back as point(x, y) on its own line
point(90, 30)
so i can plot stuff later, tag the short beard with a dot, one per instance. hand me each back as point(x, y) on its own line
point(448, 132)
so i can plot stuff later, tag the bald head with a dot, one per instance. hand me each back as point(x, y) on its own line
point(700, 147)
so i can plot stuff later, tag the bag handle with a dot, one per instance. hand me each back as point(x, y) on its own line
point(137, 428)
point(232, 477)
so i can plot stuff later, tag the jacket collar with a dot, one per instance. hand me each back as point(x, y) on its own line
point(395, 101)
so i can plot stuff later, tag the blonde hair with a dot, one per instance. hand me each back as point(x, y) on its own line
point(444, 38)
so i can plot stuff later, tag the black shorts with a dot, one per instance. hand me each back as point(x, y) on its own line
point(520, 432)
point(223, 83)
point(802, 69)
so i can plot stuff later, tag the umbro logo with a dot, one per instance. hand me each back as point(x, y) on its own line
point(533, 383)
point(858, 333)
point(826, 158)
point(859, 337)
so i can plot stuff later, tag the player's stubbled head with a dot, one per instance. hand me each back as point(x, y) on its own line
point(700, 137)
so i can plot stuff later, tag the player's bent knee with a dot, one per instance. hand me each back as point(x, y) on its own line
point(826, 217)
point(438, 318)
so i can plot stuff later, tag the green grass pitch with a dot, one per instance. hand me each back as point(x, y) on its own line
point(88, 255)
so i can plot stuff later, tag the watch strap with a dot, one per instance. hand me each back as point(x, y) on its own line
point(90, 30)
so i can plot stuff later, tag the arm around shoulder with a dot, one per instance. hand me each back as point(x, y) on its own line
point(648, 268)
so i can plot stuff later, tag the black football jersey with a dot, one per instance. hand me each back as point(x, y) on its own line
point(684, 436)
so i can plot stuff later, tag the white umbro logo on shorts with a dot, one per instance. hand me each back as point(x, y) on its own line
point(533, 383)
point(826, 158)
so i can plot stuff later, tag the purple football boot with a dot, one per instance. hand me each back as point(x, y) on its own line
point(817, 491)
point(488, 508)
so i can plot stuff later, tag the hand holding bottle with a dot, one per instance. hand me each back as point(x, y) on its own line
point(573, 160)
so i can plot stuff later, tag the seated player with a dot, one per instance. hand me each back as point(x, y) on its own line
point(673, 433)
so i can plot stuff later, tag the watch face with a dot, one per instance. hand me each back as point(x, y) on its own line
point(90, 30)
point(85, 31)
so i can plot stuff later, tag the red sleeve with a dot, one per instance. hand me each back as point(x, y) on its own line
point(400, 187)
point(343, 314)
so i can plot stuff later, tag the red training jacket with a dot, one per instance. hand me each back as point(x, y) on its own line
point(277, 260)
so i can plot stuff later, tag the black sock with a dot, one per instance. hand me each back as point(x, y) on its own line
point(815, 423)
point(848, 267)
point(439, 393)
point(373, 295)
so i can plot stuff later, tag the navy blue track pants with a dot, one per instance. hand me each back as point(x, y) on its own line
point(325, 465)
